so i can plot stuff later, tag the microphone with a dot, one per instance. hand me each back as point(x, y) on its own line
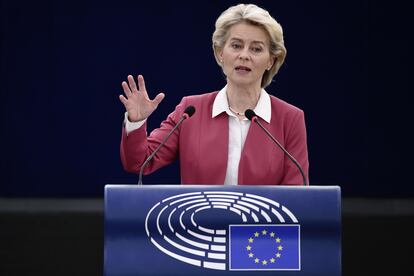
point(188, 112)
point(251, 115)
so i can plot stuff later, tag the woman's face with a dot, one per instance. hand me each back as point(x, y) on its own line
point(245, 55)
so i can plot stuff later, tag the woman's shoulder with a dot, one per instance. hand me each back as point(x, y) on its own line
point(281, 105)
point(201, 99)
point(198, 101)
point(202, 96)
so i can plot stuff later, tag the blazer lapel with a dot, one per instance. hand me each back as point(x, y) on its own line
point(260, 159)
point(215, 149)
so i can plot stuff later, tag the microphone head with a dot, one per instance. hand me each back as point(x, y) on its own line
point(189, 110)
point(249, 114)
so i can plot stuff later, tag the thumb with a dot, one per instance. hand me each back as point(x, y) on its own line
point(159, 98)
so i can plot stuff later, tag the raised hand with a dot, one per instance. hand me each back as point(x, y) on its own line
point(136, 100)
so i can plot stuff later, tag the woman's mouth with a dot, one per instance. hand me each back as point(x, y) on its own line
point(243, 69)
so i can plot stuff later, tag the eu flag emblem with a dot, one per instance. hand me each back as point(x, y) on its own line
point(264, 247)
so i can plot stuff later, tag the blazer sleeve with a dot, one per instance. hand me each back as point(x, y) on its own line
point(137, 146)
point(296, 145)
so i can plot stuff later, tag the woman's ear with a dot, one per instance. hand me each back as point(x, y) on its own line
point(219, 54)
point(272, 61)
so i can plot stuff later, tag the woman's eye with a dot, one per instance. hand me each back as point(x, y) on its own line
point(257, 49)
point(236, 46)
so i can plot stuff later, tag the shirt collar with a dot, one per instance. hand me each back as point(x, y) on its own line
point(262, 109)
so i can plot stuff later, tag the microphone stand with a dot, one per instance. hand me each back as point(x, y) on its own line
point(252, 116)
point(188, 112)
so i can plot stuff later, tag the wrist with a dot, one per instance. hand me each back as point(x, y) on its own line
point(130, 125)
point(133, 120)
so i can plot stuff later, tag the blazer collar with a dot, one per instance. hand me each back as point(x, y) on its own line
point(263, 108)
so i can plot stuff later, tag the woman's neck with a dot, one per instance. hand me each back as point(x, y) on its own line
point(242, 98)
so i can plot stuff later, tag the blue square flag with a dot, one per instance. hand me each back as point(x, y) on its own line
point(264, 247)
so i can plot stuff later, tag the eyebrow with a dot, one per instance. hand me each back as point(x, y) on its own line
point(241, 40)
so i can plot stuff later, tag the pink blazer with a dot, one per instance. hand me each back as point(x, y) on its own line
point(201, 144)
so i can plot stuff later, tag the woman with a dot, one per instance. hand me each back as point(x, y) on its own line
point(218, 145)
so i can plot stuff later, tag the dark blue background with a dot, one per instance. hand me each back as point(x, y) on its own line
point(62, 63)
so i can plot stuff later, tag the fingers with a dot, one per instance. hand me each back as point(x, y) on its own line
point(131, 87)
point(126, 89)
point(132, 84)
point(141, 83)
point(123, 100)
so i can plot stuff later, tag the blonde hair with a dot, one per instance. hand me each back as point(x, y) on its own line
point(256, 16)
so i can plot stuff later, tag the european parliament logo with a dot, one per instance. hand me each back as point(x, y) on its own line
point(226, 231)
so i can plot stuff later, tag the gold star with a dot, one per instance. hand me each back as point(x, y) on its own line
point(256, 260)
point(264, 262)
point(248, 248)
point(251, 255)
point(251, 240)
point(256, 234)
point(280, 248)
point(277, 255)
point(278, 240)
point(272, 234)
point(272, 260)
point(264, 232)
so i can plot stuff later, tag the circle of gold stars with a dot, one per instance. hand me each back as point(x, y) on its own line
point(264, 234)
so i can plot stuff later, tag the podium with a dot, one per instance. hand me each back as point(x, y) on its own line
point(222, 230)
